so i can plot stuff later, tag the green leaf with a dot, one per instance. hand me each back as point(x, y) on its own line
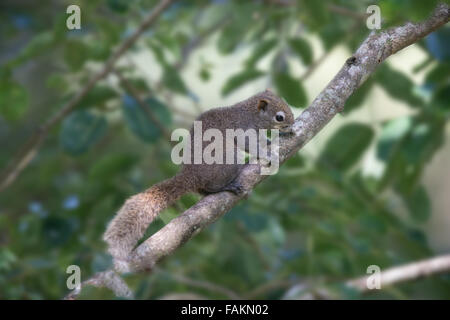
point(253, 222)
point(397, 84)
point(358, 97)
point(439, 73)
point(393, 131)
point(172, 80)
point(409, 153)
point(419, 204)
point(290, 89)
point(160, 110)
point(331, 36)
point(347, 146)
point(235, 31)
point(109, 166)
point(140, 122)
point(13, 99)
point(75, 54)
point(7, 259)
point(120, 6)
point(229, 38)
point(39, 44)
point(260, 51)
point(417, 141)
point(302, 49)
point(99, 95)
point(440, 98)
point(81, 130)
point(140, 84)
point(204, 74)
point(56, 81)
point(57, 231)
point(316, 13)
point(158, 52)
point(169, 42)
point(238, 80)
point(98, 51)
point(415, 10)
point(373, 223)
point(423, 140)
point(109, 29)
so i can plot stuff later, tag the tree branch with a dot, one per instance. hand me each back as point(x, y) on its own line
point(394, 275)
point(375, 49)
point(406, 272)
point(27, 154)
point(107, 279)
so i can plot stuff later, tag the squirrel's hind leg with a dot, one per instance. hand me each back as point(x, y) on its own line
point(235, 187)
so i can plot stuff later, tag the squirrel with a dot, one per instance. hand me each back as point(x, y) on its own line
point(264, 110)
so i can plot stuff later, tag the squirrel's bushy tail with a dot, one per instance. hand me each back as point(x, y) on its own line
point(133, 218)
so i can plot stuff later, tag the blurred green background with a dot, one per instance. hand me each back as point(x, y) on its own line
point(371, 188)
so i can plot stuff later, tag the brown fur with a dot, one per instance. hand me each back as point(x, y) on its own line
point(130, 223)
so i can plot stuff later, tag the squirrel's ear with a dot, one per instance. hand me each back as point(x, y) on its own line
point(262, 105)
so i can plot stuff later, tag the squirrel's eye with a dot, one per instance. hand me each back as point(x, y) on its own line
point(279, 117)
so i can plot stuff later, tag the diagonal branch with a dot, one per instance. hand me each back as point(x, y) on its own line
point(375, 49)
point(29, 151)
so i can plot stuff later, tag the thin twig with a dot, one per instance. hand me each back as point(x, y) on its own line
point(107, 279)
point(347, 12)
point(406, 272)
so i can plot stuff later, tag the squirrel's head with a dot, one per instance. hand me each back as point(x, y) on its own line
point(273, 111)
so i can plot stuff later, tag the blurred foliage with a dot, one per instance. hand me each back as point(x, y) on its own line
point(318, 222)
